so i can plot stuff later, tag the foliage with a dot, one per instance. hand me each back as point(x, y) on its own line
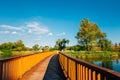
point(16, 46)
point(7, 49)
point(52, 49)
point(105, 44)
point(6, 53)
point(61, 43)
point(46, 48)
point(93, 55)
point(75, 48)
point(36, 47)
point(90, 36)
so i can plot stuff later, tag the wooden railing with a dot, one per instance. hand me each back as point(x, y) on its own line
point(14, 68)
point(75, 69)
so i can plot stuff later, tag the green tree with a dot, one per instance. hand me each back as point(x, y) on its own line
point(46, 48)
point(14, 46)
point(56, 47)
point(116, 45)
point(36, 47)
point(105, 44)
point(18, 45)
point(119, 44)
point(88, 35)
point(61, 43)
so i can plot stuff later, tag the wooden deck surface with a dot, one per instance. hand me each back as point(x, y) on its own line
point(48, 69)
point(37, 72)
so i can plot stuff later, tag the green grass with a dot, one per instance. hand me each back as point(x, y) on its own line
point(8, 53)
point(93, 55)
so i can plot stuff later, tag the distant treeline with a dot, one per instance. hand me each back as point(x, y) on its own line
point(20, 46)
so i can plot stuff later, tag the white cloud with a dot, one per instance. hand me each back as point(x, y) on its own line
point(61, 34)
point(37, 28)
point(29, 31)
point(25, 29)
point(14, 32)
point(11, 27)
point(50, 34)
point(38, 39)
point(4, 32)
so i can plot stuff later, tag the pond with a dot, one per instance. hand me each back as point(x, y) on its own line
point(113, 64)
point(1, 58)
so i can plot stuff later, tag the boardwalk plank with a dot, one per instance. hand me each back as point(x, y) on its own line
point(54, 71)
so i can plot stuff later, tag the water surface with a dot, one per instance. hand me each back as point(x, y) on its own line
point(113, 64)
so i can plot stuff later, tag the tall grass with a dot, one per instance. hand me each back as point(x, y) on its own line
point(93, 55)
point(8, 53)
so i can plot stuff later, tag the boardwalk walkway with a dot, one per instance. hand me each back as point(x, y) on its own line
point(37, 72)
point(54, 71)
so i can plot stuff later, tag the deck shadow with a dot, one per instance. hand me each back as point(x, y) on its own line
point(54, 70)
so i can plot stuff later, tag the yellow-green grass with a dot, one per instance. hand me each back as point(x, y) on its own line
point(15, 53)
point(93, 55)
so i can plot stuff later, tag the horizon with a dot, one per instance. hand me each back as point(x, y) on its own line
point(43, 22)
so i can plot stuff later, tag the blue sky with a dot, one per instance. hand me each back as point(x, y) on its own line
point(45, 21)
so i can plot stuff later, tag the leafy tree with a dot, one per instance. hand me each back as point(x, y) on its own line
point(61, 43)
point(88, 35)
point(17, 46)
point(8, 45)
point(56, 47)
point(36, 47)
point(119, 44)
point(19, 43)
point(105, 44)
point(116, 45)
point(75, 48)
point(46, 48)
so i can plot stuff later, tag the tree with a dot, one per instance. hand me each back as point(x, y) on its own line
point(119, 44)
point(18, 45)
point(46, 48)
point(88, 35)
point(8, 45)
point(61, 43)
point(116, 45)
point(76, 48)
point(105, 44)
point(36, 47)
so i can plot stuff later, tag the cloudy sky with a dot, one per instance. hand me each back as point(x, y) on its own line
point(45, 21)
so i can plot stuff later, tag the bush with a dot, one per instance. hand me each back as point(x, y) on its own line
point(6, 53)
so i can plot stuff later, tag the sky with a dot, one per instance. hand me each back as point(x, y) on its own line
point(45, 21)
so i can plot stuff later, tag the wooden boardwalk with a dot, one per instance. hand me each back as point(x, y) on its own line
point(51, 64)
point(54, 70)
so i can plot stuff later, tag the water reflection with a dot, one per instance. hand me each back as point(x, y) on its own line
point(105, 63)
point(113, 64)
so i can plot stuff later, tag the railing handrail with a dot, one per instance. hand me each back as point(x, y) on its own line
point(14, 57)
point(94, 67)
point(14, 68)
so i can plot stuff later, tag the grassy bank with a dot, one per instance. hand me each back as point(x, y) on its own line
point(9, 53)
point(93, 55)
